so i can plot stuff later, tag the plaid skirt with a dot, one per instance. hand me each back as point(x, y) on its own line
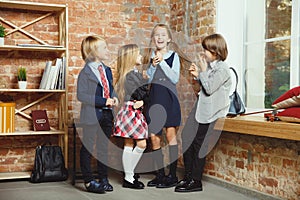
point(130, 123)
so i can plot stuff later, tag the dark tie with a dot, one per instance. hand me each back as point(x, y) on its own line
point(104, 82)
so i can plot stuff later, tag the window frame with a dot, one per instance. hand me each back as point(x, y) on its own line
point(232, 25)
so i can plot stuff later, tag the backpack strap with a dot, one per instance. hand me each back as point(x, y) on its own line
point(236, 77)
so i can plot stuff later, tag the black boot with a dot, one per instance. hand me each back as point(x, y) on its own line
point(158, 178)
point(173, 152)
point(168, 181)
point(171, 180)
point(158, 160)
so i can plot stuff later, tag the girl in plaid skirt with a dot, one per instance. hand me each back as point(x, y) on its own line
point(130, 124)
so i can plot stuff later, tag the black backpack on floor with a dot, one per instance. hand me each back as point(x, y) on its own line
point(49, 165)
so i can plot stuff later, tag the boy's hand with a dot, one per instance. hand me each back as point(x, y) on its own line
point(116, 101)
point(110, 102)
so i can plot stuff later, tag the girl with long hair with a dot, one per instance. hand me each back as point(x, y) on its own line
point(132, 90)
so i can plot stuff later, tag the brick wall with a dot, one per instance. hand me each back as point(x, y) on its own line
point(264, 164)
point(268, 165)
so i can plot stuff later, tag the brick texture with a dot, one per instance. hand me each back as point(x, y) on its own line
point(268, 165)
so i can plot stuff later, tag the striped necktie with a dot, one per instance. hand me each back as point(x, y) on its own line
point(104, 82)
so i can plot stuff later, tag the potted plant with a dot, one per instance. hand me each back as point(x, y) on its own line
point(2, 34)
point(22, 79)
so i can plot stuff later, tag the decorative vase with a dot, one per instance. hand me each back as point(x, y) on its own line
point(1, 41)
point(22, 84)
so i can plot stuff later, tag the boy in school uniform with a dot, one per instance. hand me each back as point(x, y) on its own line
point(95, 92)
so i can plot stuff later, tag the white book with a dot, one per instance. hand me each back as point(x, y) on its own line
point(50, 77)
point(61, 75)
point(45, 75)
point(58, 82)
point(64, 73)
point(55, 73)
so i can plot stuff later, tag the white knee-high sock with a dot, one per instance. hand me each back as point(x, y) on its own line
point(127, 166)
point(130, 159)
point(137, 154)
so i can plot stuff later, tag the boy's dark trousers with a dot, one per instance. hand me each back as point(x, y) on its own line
point(193, 137)
point(98, 134)
point(193, 164)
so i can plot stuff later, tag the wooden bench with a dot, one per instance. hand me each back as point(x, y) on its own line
point(257, 125)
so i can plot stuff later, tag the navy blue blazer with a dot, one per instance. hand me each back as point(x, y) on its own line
point(90, 94)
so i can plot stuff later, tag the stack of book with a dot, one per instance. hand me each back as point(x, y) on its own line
point(54, 75)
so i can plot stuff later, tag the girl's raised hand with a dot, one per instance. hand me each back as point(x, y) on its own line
point(138, 104)
point(157, 58)
point(202, 63)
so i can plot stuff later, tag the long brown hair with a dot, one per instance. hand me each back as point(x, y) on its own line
point(172, 45)
point(216, 44)
point(127, 56)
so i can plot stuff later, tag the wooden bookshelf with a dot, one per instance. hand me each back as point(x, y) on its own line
point(37, 45)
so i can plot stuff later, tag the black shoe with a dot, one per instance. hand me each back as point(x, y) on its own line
point(191, 186)
point(168, 181)
point(154, 182)
point(182, 183)
point(134, 185)
point(136, 178)
point(95, 187)
point(106, 185)
point(186, 179)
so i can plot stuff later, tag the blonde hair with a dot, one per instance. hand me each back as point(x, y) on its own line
point(216, 44)
point(89, 47)
point(172, 45)
point(127, 56)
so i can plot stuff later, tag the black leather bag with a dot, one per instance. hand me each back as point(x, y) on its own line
point(237, 105)
point(49, 165)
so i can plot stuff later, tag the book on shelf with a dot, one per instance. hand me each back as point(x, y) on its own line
point(45, 75)
point(54, 75)
point(63, 74)
point(40, 120)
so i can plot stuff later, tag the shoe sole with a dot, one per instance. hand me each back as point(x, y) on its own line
point(151, 185)
point(97, 192)
point(167, 186)
point(193, 190)
point(134, 188)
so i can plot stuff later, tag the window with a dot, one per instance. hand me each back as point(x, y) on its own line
point(263, 43)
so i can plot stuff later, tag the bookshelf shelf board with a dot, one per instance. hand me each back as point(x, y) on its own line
point(33, 48)
point(32, 90)
point(54, 132)
point(31, 6)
